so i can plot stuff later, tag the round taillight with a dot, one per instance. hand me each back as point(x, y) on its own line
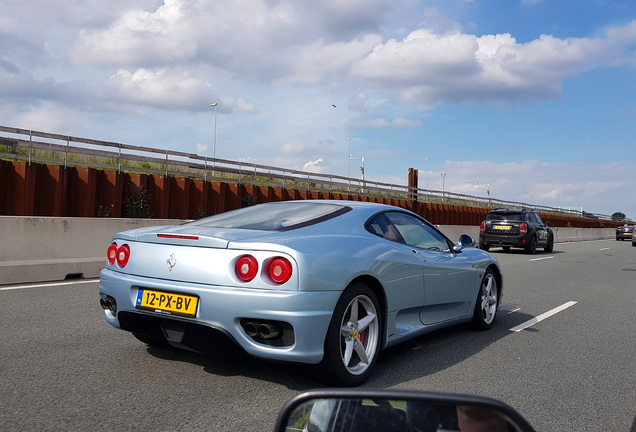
point(112, 253)
point(280, 270)
point(123, 255)
point(523, 228)
point(246, 268)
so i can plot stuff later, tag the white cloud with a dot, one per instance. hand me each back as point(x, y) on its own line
point(201, 148)
point(381, 123)
point(453, 67)
point(312, 166)
point(358, 103)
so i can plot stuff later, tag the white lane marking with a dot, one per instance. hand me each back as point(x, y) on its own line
point(582, 241)
point(514, 310)
point(604, 249)
point(539, 259)
point(543, 316)
point(49, 285)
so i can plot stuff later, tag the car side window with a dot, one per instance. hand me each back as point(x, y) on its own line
point(539, 221)
point(381, 226)
point(416, 233)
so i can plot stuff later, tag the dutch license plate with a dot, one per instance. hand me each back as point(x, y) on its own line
point(628, 233)
point(165, 302)
point(503, 227)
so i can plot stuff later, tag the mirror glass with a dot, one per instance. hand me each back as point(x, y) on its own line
point(384, 415)
point(466, 241)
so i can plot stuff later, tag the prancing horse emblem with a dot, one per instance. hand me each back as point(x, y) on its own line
point(172, 261)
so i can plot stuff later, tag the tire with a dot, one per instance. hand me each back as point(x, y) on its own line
point(152, 341)
point(486, 304)
point(506, 248)
point(348, 341)
point(622, 239)
point(550, 247)
point(484, 246)
point(617, 239)
point(633, 244)
point(532, 246)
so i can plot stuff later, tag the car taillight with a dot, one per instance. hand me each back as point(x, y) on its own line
point(112, 253)
point(482, 227)
point(123, 255)
point(523, 228)
point(280, 270)
point(246, 268)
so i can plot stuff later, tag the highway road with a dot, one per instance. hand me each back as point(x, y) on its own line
point(62, 367)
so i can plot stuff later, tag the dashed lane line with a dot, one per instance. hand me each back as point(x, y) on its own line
point(539, 259)
point(48, 285)
point(543, 316)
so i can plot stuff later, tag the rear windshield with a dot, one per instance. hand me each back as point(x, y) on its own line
point(274, 216)
point(505, 216)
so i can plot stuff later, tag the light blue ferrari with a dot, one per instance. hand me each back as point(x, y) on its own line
point(324, 283)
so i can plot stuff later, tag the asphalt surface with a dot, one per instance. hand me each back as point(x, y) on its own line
point(62, 367)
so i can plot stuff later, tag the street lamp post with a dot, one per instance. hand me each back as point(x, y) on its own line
point(514, 199)
point(478, 182)
point(443, 187)
point(426, 159)
point(214, 146)
point(349, 187)
point(361, 168)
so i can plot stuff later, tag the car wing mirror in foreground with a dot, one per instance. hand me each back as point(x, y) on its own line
point(546, 223)
point(363, 410)
point(465, 241)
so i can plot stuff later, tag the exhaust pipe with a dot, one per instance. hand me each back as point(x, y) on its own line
point(109, 304)
point(268, 330)
point(103, 303)
point(250, 329)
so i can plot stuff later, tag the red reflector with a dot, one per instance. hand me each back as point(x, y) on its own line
point(183, 237)
point(246, 268)
point(112, 253)
point(280, 270)
point(123, 255)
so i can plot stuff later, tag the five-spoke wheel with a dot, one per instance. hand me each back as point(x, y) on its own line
point(486, 305)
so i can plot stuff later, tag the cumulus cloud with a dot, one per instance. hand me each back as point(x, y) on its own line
point(358, 103)
point(381, 123)
point(453, 67)
point(201, 148)
point(312, 166)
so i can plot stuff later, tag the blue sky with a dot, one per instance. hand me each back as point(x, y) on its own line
point(535, 98)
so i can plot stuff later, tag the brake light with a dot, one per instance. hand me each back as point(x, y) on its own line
point(112, 253)
point(523, 228)
point(483, 226)
point(246, 268)
point(182, 237)
point(280, 270)
point(123, 255)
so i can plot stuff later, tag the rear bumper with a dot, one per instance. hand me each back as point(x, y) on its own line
point(512, 240)
point(220, 311)
point(624, 236)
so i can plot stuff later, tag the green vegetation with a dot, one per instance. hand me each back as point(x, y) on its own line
point(104, 211)
point(618, 216)
point(137, 203)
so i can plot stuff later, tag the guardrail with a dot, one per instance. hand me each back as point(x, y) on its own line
point(20, 145)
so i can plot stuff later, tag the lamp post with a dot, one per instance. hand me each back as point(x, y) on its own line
point(361, 168)
point(443, 188)
point(214, 146)
point(478, 182)
point(426, 159)
point(349, 187)
point(514, 199)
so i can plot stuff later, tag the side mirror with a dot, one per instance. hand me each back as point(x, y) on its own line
point(546, 223)
point(362, 410)
point(465, 241)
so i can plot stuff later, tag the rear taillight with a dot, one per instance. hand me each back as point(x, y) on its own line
point(523, 228)
point(246, 268)
point(112, 253)
point(123, 255)
point(482, 227)
point(280, 270)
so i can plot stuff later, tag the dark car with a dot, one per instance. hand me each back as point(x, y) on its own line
point(624, 232)
point(515, 228)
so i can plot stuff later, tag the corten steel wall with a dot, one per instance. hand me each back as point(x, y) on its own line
point(52, 190)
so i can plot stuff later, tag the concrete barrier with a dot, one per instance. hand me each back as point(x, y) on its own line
point(38, 249)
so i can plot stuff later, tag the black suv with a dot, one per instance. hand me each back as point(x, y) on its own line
point(515, 228)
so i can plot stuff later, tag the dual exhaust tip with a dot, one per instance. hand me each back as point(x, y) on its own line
point(267, 330)
point(108, 303)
